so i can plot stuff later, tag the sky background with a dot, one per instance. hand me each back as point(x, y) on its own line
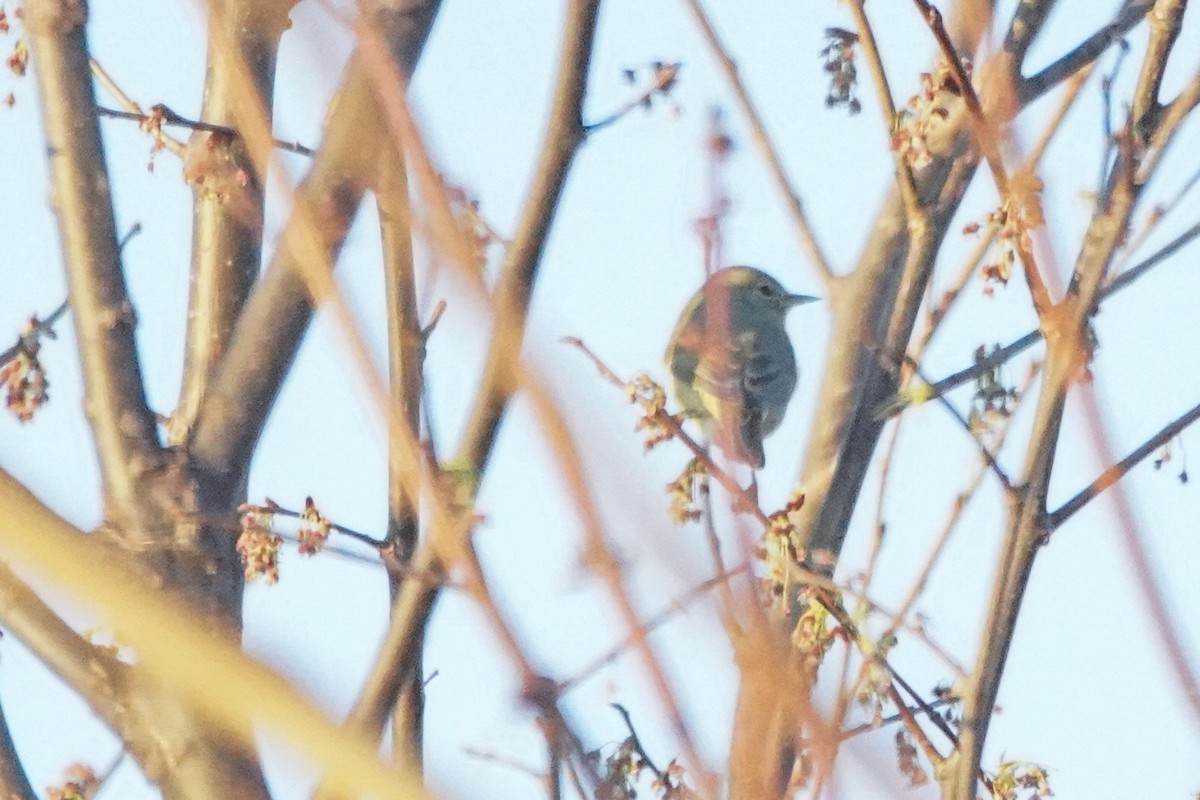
point(1086, 693)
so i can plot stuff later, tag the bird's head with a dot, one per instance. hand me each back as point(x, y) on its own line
point(755, 290)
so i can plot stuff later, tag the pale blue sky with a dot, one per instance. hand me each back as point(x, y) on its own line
point(1086, 693)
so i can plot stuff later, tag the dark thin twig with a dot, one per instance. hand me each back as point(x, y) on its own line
point(45, 326)
point(633, 739)
point(984, 450)
point(998, 357)
point(665, 76)
point(926, 708)
point(1118, 470)
point(163, 115)
point(1087, 51)
point(1106, 119)
point(280, 511)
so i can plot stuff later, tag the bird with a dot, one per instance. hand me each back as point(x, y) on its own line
point(732, 362)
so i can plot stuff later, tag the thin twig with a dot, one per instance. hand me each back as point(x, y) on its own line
point(169, 117)
point(280, 511)
point(1000, 356)
point(904, 170)
point(651, 624)
point(165, 140)
point(926, 708)
point(985, 136)
point(665, 76)
point(758, 130)
point(1057, 518)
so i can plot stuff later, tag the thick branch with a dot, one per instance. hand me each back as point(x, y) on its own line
point(77, 663)
point(1027, 22)
point(270, 328)
point(243, 42)
point(197, 666)
point(874, 309)
point(406, 357)
point(122, 424)
point(14, 783)
point(1067, 354)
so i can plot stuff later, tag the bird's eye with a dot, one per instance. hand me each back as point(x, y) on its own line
point(764, 289)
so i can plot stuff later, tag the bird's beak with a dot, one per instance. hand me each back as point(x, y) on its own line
point(794, 300)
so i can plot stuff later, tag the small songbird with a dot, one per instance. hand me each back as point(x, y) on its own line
point(732, 361)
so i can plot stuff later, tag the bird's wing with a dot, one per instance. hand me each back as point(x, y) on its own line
point(732, 377)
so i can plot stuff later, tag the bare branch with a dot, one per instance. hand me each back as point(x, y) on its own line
point(193, 663)
point(1027, 22)
point(986, 137)
point(523, 256)
point(1057, 518)
point(1086, 52)
point(269, 331)
point(904, 170)
point(243, 43)
point(122, 423)
point(14, 783)
point(1068, 353)
point(1004, 354)
point(406, 360)
point(795, 207)
point(95, 676)
point(132, 108)
point(1166, 20)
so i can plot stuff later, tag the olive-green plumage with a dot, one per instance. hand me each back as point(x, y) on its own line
point(732, 361)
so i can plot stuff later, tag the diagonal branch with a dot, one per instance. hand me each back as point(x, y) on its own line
point(197, 665)
point(1086, 52)
point(1068, 353)
point(98, 679)
point(808, 237)
point(1110, 476)
point(1004, 354)
point(523, 255)
point(122, 423)
point(269, 331)
point(414, 600)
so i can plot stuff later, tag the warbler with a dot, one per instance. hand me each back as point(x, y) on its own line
point(733, 364)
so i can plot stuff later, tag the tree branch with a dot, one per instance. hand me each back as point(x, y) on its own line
point(14, 783)
point(406, 358)
point(270, 329)
point(243, 42)
point(95, 677)
point(199, 667)
point(1004, 354)
point(523, 255)
point(1068, 352)
point(808, 238)
point(1086, 52)
point(122, 424)
point(1118, 470)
